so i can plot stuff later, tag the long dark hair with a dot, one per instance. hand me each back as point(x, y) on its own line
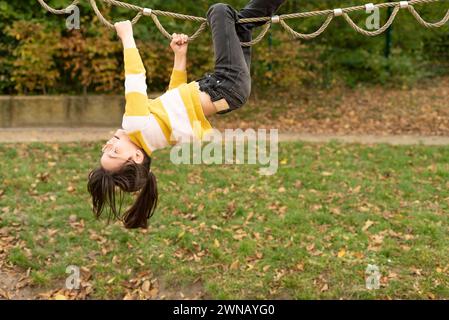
point(132, 177)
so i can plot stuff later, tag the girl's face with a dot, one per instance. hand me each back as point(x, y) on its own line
point(119, 150)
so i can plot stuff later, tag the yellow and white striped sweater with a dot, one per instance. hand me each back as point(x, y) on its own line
point(174, 117)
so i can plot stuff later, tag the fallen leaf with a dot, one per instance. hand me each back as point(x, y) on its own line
point(234, 265)
point(300, 267)
point(367, 225)
point(146, 286)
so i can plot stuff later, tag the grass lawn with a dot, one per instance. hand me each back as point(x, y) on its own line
point(308, 232)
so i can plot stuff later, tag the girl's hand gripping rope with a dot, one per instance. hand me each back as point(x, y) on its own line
point(125, 33)
point(179, 44)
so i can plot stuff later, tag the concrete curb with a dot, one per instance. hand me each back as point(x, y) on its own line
point(89, 134)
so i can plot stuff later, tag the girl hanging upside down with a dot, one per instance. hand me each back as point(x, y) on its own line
point(177, 116)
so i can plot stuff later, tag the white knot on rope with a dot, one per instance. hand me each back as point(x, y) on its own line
point(403, 4)
point(369, 7)
point(147, 11)
point(338, 12)
point(275, 19)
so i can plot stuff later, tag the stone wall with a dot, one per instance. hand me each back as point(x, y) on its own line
point(61, 111)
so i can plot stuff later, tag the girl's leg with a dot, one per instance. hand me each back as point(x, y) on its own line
point(255, 8)
point(230, 84)
point(230, 62)
point(259, 8)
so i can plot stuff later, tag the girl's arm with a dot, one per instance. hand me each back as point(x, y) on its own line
point(179, 45)
point(137, 111)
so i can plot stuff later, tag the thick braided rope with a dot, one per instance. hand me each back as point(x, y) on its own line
point(331, 14)
point(103, 20)
point(56, 11)
point(309, 36)
point(153, 15)
point(378, 31)
point(426, 24)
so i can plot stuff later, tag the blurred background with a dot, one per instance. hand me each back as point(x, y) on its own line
point(38, 55)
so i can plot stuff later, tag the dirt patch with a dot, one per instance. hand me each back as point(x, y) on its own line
point(14, 286)
point(15, 283)
point(194, 291)
point(366, 139)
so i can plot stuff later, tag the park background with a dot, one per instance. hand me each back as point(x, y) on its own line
point(225, 232)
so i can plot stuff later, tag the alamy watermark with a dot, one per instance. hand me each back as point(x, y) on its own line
point(73, 20)
point(373, 21)
point(73, 281)
point(240, 147)
point(372, 280)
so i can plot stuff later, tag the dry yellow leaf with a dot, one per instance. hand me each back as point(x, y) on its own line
point(300, 267)
point(367, 225)
point(234, 265)
point(146, 286)
point(181, 234)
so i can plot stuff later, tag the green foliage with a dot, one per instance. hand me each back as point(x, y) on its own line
point(38, 54)
point(92, 60)
point(33, 63)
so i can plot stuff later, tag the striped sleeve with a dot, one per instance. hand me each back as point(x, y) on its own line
point(137, 110)
point(177, 78)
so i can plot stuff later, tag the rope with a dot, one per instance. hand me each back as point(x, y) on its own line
point(372, 33)
point(54, 11)
point(269, 21)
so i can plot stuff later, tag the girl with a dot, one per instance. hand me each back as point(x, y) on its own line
point(176, 116)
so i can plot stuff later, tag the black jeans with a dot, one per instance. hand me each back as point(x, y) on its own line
point(231, 79)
